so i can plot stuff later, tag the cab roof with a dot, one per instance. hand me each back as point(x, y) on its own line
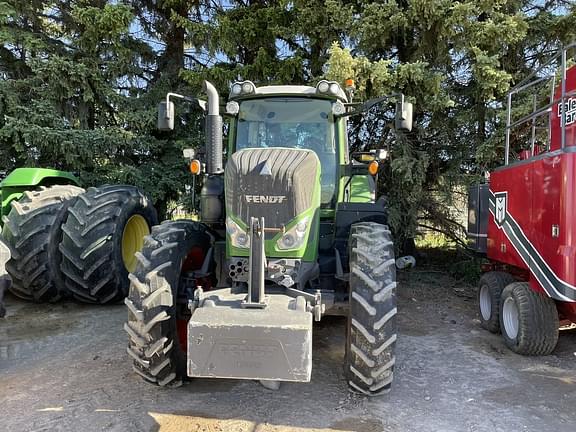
point(289, 90)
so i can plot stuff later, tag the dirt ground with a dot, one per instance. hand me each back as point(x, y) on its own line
point(65, 367)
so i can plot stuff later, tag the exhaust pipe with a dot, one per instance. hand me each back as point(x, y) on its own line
point(213, 131)
point(212, 193)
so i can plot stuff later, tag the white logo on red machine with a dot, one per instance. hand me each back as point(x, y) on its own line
point(265, 199)
point(570, 108)
point(500, 207)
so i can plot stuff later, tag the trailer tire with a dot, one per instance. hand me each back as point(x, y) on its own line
point(32, 232)
point(104, 229)
point(490, 290)
point(529, 320)
point(371, 330)
point(154, 341)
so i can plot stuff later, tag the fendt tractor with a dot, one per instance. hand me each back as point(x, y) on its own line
point(290, 231)
point(524, 217)
point(59, 240)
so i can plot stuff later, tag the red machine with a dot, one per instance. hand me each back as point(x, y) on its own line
point(524, 218)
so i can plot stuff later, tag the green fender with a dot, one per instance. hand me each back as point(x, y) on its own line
point(22, 179)
point(362, 189)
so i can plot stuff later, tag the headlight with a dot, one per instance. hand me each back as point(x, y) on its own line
point(248, 87)
point(232, 108)
point(238, 237)
point(294, 237)
point(323, 86)
point(338, 108)
point(236, 89)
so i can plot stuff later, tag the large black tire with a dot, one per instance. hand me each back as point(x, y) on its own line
point(529, 320)
point(153, 306)
point(92, 264)
point(489, 292)
point(32, 231)
point(371, 333)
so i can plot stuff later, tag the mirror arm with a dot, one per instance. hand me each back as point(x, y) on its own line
point(368, 105)
point(201, 103)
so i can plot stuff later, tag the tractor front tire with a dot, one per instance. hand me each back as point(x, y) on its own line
point(528, 320)
point(489, 292)
point(106, 226)
point(371, 332)
point(155, 316)
point(32, 232)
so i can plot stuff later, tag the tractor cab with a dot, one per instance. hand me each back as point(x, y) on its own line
point(298, 119)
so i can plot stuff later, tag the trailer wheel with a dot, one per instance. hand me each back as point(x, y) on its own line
point(529, 320)
point(371, 331)
point(489, 292)
point(32, 232)
point(157, 301)
point(104, 229)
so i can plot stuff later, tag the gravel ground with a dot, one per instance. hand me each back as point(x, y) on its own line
point(64, 367)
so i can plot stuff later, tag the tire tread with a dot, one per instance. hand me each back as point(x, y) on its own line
point(32, 230)
point(496, 281)
point(538, 321)
point(94, 227)
point(151, 327)
point(372, 322)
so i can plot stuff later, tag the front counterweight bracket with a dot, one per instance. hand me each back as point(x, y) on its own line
point(257, 265)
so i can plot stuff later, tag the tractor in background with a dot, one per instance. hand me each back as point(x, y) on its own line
point(23, 195)
point(59, 240)
point(523, 218)
point(291, 230)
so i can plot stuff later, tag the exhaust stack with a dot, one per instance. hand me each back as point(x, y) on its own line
point(213, 131)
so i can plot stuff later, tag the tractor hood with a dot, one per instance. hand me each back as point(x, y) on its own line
point(280, 184)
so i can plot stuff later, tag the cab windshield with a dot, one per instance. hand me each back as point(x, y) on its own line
point(294, 123)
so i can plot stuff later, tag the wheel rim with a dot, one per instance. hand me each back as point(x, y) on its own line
point(135, 230)
point(485, 302)
point(510, 318)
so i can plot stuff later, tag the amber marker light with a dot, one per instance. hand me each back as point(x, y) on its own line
point(195, 166)
point(373, 168)
point(349, 83)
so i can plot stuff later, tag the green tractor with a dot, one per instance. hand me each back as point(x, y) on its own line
point(59, 240)
point(290, 231)
point(30, 210)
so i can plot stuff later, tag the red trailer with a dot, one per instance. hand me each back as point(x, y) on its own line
point(524, 217)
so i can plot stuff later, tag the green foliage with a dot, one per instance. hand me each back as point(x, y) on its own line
point(455, 61)
point(441, 252)
point(80, 80)
point(78, 95)
point(434, 240)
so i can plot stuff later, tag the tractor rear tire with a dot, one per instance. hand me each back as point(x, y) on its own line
point(529, 320)
point(489, 292)
point(154, 312)
point(371, 331)
point(32, 232)
point(104, 229)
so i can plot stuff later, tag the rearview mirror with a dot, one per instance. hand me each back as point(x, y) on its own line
point(403, 115)
point(369, 156)
point(363, 157)
point(189, 153)
point(166, 116)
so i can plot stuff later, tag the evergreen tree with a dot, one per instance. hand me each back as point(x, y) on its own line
point(80, 81)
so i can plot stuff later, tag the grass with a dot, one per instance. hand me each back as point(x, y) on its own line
point(441, 253)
